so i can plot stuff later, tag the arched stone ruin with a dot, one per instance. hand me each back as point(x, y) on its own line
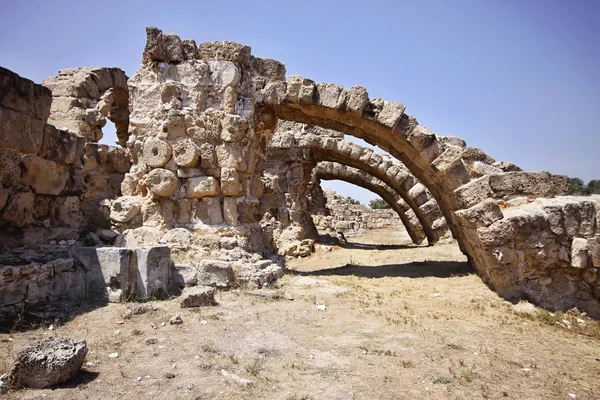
point(331, 171)
point(200, 121)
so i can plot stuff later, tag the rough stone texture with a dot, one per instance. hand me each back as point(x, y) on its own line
point(48, 362)
point(153, 271)
point(83, 98)
point(198, 296)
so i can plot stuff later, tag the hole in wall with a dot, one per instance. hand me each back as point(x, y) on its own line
point(109, 134)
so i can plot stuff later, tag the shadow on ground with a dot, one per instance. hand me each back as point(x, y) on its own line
point(418, 269)
point(367, 246)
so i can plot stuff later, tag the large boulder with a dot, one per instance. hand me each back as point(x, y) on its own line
point(48, 362)
point(197, 296)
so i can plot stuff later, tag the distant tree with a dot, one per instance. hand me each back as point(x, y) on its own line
point(352, 201)
point(576, 186)
point(378, 204)
point(593, 186)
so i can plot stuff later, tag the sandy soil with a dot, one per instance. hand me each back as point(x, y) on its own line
point(400, 322)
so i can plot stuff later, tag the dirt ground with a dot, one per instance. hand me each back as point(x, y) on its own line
point(401, 322)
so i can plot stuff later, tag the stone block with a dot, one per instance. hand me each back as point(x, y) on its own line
point(483, 214)
point(44, 176)
point(356, 100)
point(579, 253)
point(306, 92)
point(153, 269)
point(225, 51)
point(474, 192)
point(24, 96)
point(20, 132)
point(390, 114)
point(497, 234)
point(541, 184)
point(20, 209)
point(198, 296)
point(68, 211)
point(215, 273)
point(230, 182)
point(202, 186)
point(594, 250)
point(61, 146)
point(186, 153)
point(230, 212)
point(10, 170)
point(125, 208)
point(156, 153)
point(330, 95)
point(190, 49)
point(162, 182)
point(107, 269)
point(173, 47)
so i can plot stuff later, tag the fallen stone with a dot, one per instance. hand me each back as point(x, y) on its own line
point(198, 296)
point(176, 320)
point(48, 362)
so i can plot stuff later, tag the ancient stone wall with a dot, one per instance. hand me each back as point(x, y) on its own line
point(353, 219)
point(47, 176)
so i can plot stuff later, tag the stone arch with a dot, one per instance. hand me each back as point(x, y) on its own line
point(83, 98)
point(458, 177)
point(331, 171)
point(325, 145)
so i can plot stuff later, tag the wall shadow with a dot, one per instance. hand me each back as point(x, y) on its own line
point(417, 269)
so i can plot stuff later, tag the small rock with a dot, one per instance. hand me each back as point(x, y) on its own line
point(203, 322)
point(90, 364)
point(139, 378)
point(117, 332)
point(51, 327)
point(436, 295)
point(524, 307)
point(176, 320)
point(112, 356)
point(321, 307)
point(236, 378)
point(573, 396)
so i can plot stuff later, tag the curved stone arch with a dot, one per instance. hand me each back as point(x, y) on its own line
point(326, 170)
point(330, 146)
point(83, 98)
point(459, 178)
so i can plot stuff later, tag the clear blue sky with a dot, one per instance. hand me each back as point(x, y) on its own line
point(517, 78)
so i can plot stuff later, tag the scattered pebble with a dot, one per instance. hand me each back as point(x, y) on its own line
point(176, 320)
point(573, 396)
point(321, 307)
point(51, 327)
point(436, 295)
point(90, 364)
point(203, 322)
point(117, 332)
point(113, 355)
point(139, 378)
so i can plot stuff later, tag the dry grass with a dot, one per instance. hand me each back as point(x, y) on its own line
point(400, 323)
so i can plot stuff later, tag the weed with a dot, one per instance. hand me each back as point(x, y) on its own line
point(441, 379)
point(254, 367)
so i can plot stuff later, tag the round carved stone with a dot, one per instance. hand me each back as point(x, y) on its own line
point(162, 182)
point(156, 153)
point(186, 153)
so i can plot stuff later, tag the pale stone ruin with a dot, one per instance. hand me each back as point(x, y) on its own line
point(218, 170)
point(340, 215)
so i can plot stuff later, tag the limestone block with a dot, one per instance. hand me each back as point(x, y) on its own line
point(268, 68)
point(129, 185)
point(234, 128)
point(224, 73)
point(125, 208)
point(230, 182)
point(330, 95)
point(294, 84)
point(162, 182)
point(202, 186)
point(186, 153)
point(474, 192)
point(480, 169)
point(173, 128)
point(68, 211)
point(215, 273)
point(229, 100)
point(61, 146)
point(106, 268)
point(153, 267)
point(156, 49)
point(208, 157)
point(541, 184)
point(226, 51)
point(156, 153)
point(190, 50)
point(579, 253)
point(483, 214)
point(142, 236)
point(356, 100)
point(183, 209)
point(594, 250)
point(24, 96)
point(390, 114)
point(179, 236)
point(44, 176)
point(198, 296)
point(10, 170)
point(497, 234)
point(20, 209)
point(306, 92)
point(173, 47)
point(589, 275)
point(230, 156)
point(48, 362)
point(230, 211)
